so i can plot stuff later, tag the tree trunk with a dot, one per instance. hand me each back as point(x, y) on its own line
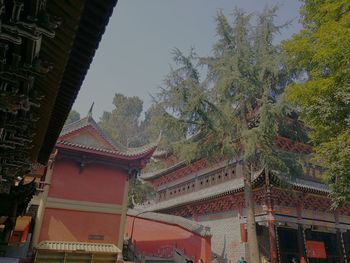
point(253, 247)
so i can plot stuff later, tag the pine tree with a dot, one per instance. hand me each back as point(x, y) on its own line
point(235, 111)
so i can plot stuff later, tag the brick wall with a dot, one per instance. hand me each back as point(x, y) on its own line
point(226, 240)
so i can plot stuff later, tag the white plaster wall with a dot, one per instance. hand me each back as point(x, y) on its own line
point(226, 236)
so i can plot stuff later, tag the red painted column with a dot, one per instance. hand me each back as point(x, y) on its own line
point(244, 237)
point(206, 249)
point(272, 241)
point(301, 241)
point(340, 241)
point(301, 246)
point(271, 227)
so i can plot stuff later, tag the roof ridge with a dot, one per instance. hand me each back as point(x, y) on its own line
point(108, 151)
point(116, 145)
point(89, 120)
point(67, 127)
point(117, 148)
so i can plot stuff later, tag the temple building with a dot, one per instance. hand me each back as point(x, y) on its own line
point(85, 194)
point(294, 217)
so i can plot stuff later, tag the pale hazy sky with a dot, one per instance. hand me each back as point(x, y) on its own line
point(134, 54)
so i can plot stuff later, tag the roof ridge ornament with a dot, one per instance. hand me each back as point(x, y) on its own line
point(89, 115)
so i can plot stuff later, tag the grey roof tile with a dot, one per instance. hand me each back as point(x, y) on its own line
point(78, 246)
point(118, 149)
point(173, 220)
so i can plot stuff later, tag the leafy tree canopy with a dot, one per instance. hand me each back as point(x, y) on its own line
point(123, 122)
point(319, 56)
point(236, 109)
point(139, 193)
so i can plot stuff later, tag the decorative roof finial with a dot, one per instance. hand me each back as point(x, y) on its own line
point(89, 115)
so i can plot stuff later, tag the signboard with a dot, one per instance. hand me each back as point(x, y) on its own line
point(315, 249)
point(96, 237)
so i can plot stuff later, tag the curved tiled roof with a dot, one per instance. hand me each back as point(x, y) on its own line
point(153, 175)
point(118, 149)
point(89, 121)
point(129, 153)
point(300, 184)
point(305, 184)
point(237, 185)
point(173, 220)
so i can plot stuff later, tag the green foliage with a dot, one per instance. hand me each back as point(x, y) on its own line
point(154, 123)
point(122, 123)
point(125, 126)
point(184, 102)
point(72, 117)
point(320, 55)
point(293, 129)
point(154, 165)
point(236, 110)
point(139, 192)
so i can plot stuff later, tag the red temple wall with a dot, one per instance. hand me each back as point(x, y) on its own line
point(68, 225)
point(157, 238)
point(93, 182)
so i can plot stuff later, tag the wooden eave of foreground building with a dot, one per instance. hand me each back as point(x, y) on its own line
point(20, 197)
point(71, 53)
point(46, 48)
